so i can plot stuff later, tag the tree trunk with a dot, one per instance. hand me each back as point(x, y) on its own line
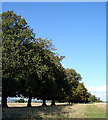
point(53, 102)
point(29, 102)
point(44, 102)
point(4, 101)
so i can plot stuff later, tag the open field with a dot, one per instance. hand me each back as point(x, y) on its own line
point(61, 110)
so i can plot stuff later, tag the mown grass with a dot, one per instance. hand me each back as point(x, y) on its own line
point(93, 111)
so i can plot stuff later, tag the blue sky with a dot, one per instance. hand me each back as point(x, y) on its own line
point(54, 0)
point(78, 31)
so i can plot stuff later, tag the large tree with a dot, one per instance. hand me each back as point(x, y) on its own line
point(50, 72)
point(16, 35)
point(39, 75)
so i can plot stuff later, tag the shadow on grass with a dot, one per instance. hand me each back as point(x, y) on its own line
point(35, 112)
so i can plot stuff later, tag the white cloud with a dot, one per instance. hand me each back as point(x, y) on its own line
point(63, 65)
point(97, 89)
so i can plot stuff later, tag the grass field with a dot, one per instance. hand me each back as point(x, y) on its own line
point(95, 111)
point(61, 110)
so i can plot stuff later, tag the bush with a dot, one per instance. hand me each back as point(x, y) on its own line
point(20, 101)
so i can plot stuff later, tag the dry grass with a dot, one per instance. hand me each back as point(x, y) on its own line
point(61, 110)
point(75, 111)
point(101, 105)
point(33, 104)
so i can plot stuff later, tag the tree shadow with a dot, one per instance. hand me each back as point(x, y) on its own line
point(19, 113)
point(34, 112)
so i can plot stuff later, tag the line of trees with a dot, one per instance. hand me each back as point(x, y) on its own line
point(32, 68)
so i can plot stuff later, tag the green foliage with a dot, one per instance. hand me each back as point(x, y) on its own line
point(73, 81)
point(20, 101)
point(15, 33)
point(92, 98)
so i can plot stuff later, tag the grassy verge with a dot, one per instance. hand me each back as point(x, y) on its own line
point(92, 111)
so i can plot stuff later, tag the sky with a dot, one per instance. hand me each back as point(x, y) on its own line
point(78, 31)
point(54, 0)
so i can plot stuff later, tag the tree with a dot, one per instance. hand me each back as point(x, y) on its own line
point(81, 93)
point(49, 72)
point(15, 37)
point(93, 98)
point(73, 79)
point(28, 77)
